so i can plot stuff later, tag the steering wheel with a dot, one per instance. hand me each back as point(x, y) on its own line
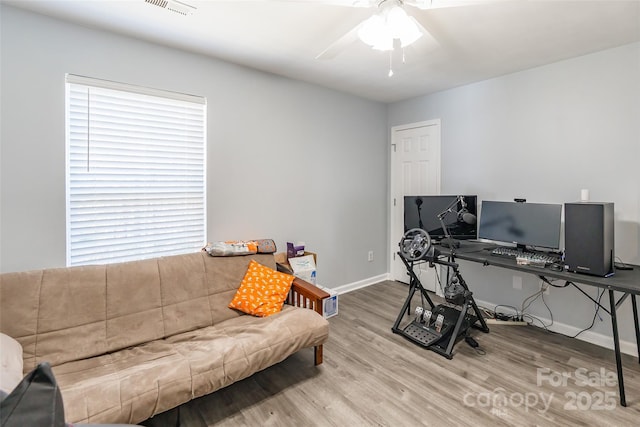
point(415, 244)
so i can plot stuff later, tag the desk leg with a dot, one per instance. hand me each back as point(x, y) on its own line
point(635, 323)
point(616, 344)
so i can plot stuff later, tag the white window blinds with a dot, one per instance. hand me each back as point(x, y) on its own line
point(135, 172)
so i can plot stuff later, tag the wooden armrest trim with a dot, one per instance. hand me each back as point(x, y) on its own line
point(310, 290)
point(304, 294)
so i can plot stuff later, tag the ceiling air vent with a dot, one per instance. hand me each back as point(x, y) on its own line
point(173, 6)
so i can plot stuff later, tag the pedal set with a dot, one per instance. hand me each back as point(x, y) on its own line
point(422, 334)
point(423, 330)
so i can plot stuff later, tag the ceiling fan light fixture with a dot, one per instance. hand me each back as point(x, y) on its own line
point(396, 20)
point(380, 30)
point(374, 33)
point(410, 33)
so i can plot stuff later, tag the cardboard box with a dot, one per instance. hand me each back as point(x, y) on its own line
point(282, 263)
point(295, 249)
point(304, 267)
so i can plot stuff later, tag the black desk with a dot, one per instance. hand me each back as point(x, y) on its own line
point(626, 282)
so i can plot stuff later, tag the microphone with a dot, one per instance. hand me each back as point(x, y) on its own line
point(468, 218)
point(419, 201)
point(464, 215)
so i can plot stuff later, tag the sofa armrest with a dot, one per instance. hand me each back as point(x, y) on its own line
point(304, 294)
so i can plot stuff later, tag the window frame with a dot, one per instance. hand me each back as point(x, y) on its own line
point(199, 105)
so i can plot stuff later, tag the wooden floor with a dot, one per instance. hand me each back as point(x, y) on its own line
point(372, 377)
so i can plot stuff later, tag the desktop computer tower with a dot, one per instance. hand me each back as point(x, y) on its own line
point(588, 238)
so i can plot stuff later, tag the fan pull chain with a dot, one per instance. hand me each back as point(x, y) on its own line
point(391, 63)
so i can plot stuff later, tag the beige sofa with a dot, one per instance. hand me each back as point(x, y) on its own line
point(130, 340)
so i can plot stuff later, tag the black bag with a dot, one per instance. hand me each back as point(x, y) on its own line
point(35, 402)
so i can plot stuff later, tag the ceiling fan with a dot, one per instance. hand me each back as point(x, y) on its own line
point(390, 27)
point(390, 22)
point(400, 25)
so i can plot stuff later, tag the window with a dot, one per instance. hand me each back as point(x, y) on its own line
point(135, 172)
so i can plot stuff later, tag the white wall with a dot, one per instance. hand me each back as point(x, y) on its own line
point(286, 160)
point(544, 134)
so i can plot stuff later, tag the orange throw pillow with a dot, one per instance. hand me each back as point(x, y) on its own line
point(262, 291)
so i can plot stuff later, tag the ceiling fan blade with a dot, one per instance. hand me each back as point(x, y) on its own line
point(422, 29)
point(349, 3)
point(438, 33)
point(346, 3)
point(341, 44)
point(438, 4)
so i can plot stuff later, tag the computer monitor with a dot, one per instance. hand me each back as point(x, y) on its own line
point(422, 212)
point(525, 224)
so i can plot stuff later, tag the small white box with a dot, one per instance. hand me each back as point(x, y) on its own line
point(329, 305)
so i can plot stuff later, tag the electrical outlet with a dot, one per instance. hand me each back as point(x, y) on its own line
point(370, 256)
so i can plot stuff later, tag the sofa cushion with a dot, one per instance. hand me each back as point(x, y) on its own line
point(236, 348)
point(262, 291)
point(132, 384)
point(136, 383)
point(71, 319)
point(133, 303)
point(185, 297)
point(19, 298)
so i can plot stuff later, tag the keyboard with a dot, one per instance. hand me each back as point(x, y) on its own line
point(526, 257)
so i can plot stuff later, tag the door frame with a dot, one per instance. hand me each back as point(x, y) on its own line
point(393, 175)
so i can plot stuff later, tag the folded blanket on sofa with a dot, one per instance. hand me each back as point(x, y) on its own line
point(241, 247)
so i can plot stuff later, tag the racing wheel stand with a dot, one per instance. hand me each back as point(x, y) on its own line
point(439, 327)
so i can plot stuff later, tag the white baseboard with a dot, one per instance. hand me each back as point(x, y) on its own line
point(361, 284)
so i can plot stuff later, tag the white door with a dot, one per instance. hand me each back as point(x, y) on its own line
point(415, 170)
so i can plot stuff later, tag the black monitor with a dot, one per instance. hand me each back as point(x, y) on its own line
point(422, 212)
point(525, 224)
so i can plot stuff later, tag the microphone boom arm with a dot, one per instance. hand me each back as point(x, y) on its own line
point(442, 215)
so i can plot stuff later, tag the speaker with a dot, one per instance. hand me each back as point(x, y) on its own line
point(588, 238)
